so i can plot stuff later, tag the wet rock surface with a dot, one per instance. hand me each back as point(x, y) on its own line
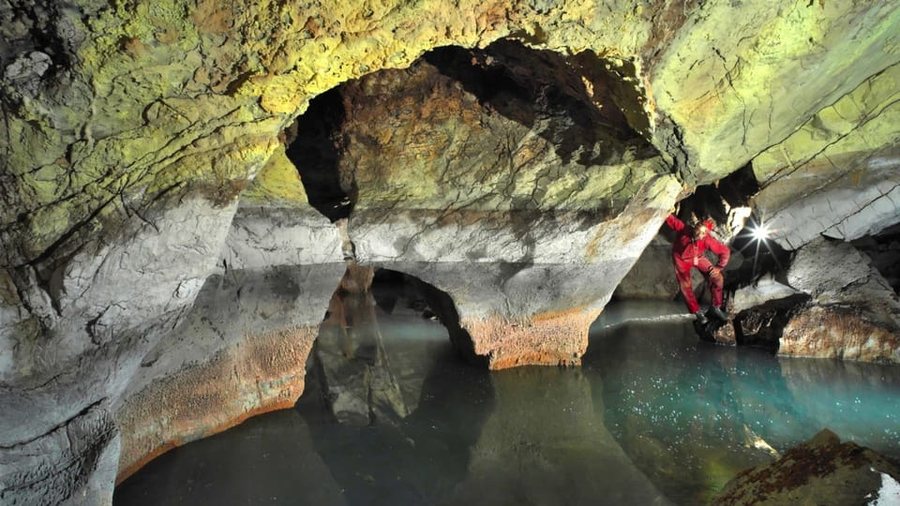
point(854, 312)
point(240, 351)
point(821, 471)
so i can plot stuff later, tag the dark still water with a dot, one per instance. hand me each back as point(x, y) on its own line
point(653, 417)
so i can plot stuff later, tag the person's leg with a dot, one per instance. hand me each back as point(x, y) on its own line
point(716, 281)
point(683, 276)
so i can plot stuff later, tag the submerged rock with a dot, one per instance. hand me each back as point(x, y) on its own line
point(822, 471)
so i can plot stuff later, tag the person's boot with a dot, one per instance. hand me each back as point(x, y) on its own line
point(701, 318)
point(718, 313)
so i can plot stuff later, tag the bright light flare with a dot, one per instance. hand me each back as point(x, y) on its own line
point(760, 232)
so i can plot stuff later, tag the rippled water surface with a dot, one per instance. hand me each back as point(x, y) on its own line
point(653, 417)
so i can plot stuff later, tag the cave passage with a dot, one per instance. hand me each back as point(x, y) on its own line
point(884, 251)
point(659, 415)
point(313, 144)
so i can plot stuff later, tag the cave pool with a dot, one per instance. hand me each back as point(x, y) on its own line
point(653, 416)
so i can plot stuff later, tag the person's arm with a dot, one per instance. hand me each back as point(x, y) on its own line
point(722, 251)
point(674, 223)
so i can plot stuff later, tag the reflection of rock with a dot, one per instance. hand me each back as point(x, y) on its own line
point(421, 459)
point(356, 372)
point(268, 457)
point(241, 350)
point(822, 471)
point(855, 399)
point(520, 455)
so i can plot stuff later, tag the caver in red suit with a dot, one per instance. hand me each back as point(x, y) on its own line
point(687, 254)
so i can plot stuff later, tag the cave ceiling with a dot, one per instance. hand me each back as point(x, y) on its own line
point(110, 108)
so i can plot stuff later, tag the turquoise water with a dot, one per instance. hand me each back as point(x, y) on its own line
point(653, 417)
point(690, 415)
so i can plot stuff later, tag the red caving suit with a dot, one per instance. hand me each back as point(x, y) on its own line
point(688, 253)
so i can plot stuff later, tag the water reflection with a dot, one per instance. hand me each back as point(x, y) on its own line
point(691, 414)
point(653, 417)
point(419, 459)
point(544, 444)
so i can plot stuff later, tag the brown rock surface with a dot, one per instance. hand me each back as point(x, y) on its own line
point(543, 339)
point(839, 332)
point(263, 374)
point(822, 471)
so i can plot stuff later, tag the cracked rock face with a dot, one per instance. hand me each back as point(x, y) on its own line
point(73, 463)
point(854, 313)
point(837, 175)
point(835, 305)
point(242, 348)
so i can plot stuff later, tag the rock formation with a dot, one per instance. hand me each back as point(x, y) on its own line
point(131, 130)
point(821, 471)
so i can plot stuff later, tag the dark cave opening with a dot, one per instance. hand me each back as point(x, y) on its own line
point(716, 200)
point(884, 251)
point(313, 144)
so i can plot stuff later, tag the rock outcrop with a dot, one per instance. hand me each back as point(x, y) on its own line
point(854, 313)
point(832, 303)
point(821, 471)
point(500, 190)
point(837, 174)
point(242, 348)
